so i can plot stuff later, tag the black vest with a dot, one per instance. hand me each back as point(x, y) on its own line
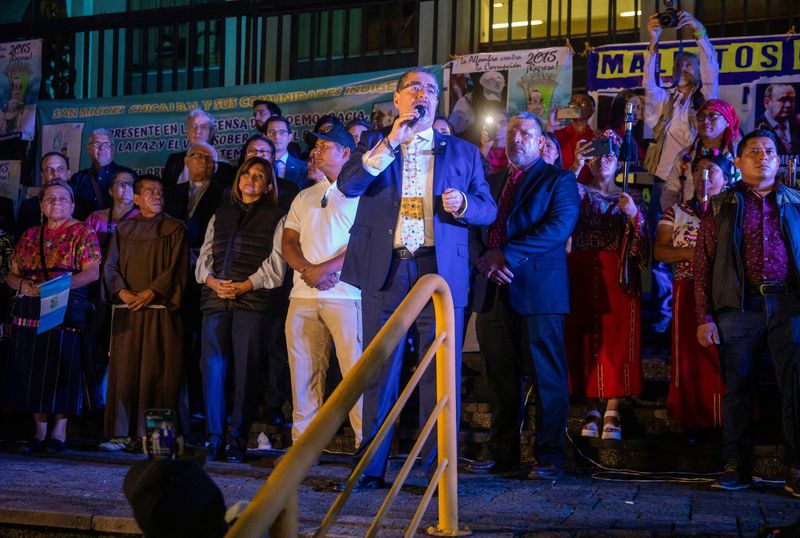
point(728, 279)
point(243, 236)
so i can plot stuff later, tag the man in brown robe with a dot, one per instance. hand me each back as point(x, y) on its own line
point(146, 274)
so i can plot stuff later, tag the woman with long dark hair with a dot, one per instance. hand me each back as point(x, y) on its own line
point(240, 265)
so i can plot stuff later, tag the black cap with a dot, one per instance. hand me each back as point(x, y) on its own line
point(337, 133)
point(175, 498)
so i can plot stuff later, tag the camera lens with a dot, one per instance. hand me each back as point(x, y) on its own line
point(668, 18)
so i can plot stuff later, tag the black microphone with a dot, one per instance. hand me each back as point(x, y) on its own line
point(421, 112)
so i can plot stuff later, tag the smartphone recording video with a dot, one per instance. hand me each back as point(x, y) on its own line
point(568, 113)
point(162, 440)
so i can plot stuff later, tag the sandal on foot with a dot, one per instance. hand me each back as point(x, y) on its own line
point(591, 424)
point(611, 426)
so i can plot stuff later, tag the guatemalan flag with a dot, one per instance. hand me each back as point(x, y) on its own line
point(54, 296)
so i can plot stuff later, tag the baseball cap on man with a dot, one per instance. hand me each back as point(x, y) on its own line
point(337, 133)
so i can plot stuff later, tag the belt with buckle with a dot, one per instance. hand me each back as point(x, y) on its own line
point(405, 254)
point(775, 287)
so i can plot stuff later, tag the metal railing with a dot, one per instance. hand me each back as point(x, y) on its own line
point(274, 507)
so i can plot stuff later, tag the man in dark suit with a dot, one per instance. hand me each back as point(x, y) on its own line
point(200, 127)
point(521, 295)
point(90, 185)
point(194, 202)
point(287, 167)
point(419, 190)
point(53, 166)
point(779, 118)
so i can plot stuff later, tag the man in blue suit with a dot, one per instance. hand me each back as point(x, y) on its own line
point(419, 191)
point(287, 167)
point(521, 296)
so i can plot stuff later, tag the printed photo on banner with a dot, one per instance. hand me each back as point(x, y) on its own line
point(383, 114)
point(65, 138)
point(748, 66)
point(777, 110)
point(20, 76)
point(147, 129)
point(9, 179)
point(481, 84)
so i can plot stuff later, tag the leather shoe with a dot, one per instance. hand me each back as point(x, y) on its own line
point(792, 484)
point(234, 453)
point(733, 477)
point(545, 472)
point(55, 446)
point(33, 446)
point(213, 448)
point(365, 483)
point(480, 466)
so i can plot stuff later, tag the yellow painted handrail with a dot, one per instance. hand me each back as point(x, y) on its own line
point(276, 501)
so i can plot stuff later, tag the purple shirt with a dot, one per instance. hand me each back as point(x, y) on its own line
point(764, 252)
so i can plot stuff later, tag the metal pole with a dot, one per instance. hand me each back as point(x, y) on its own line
point(447, 429)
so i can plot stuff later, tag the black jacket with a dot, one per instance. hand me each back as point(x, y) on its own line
point(243, 238)
point(728, 278)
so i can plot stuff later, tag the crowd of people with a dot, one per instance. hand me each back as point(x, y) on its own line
point(216, 289)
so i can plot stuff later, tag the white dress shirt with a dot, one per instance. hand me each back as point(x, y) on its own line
point(380, 157)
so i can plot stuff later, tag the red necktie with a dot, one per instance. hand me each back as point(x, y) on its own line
point(497, 231)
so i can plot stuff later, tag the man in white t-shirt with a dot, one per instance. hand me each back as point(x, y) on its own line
point(322, 309)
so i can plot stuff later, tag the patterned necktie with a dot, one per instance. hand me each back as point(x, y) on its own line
point(497, 231)
point(280, 168)
point(412, 225)
point(784, 136)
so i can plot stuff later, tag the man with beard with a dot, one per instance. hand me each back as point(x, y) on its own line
point(521, 295)
point(670, 114)
point(91, 184)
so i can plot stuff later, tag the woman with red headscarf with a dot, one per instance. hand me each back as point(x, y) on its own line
point(717, 133)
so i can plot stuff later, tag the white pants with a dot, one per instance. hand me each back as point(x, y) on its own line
point(311, 326)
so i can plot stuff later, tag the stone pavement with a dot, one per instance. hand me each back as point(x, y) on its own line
point(78, 492)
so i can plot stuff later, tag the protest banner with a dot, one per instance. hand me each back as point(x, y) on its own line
point(747, 66)
point(20, 77)
point(9, 179)
point(534, 80)
point(147, 128)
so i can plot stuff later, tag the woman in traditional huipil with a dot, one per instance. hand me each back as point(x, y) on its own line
point(602, 329)
point(696, 386)
point(48, 372)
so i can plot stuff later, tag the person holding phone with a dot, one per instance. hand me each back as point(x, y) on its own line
point(580, 111)
point(493, 141)
point(603, 328)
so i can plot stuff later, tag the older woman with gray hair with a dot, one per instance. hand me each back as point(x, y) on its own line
point(48, 374)
point(200, 128)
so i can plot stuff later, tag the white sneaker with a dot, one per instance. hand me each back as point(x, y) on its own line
point(114, 445)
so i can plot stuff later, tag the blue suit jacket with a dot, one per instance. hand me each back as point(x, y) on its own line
point(296, 172)
point(541, 220)
point(457, 164)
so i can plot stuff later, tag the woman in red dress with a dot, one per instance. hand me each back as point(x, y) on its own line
point(602, 330)
point(696, 386)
